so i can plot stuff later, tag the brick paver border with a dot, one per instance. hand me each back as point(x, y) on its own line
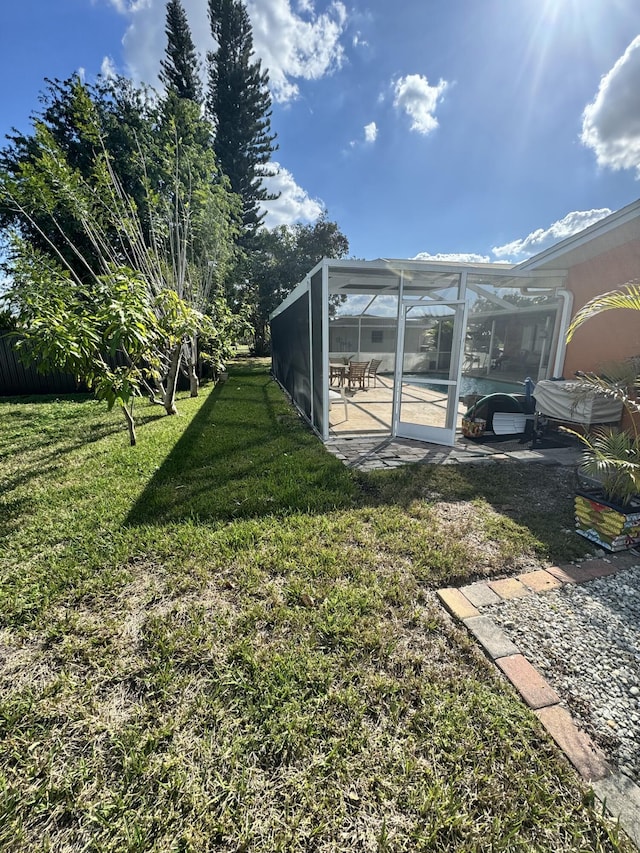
point(536, 691)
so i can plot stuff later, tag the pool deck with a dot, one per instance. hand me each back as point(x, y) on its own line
point(369, 410)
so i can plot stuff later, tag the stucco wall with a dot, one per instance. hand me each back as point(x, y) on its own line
point(615, 334)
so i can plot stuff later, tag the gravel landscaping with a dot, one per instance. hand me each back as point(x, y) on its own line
point(585, 639)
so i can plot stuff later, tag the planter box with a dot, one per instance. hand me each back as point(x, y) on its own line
point(473, 428)
point(613, 527)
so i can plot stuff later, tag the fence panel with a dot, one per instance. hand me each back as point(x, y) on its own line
point(17, 379)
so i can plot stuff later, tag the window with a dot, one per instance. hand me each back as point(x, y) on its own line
point(376, 336)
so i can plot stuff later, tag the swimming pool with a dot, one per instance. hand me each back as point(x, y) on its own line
point(485, 385)
point(476, 385)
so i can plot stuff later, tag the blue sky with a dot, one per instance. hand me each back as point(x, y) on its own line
point(480, 128)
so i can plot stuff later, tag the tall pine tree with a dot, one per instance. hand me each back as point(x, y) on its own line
point(239, 103)
point(180, 69)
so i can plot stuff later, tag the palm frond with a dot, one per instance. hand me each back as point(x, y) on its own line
point(627, 296)
point(613, 458)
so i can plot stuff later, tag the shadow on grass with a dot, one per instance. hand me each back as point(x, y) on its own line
point(244, 455)
point(50, 451)
point(247, 455)
point(532, 496)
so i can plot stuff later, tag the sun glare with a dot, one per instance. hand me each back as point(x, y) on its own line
point(558, 33)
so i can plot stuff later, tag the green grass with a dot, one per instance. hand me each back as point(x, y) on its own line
point(223, 639)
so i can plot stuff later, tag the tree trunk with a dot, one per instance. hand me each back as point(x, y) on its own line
point(131, 426)
point(261, 345)
point(194, 382)
point(172, 381)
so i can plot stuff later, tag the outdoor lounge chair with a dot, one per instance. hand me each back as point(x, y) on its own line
point(372, 371)
point(357, 373)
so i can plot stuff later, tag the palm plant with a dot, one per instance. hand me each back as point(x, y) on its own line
point(612, 457)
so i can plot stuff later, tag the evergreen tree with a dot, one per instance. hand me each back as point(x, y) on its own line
point(239, 103)
point(180, 70)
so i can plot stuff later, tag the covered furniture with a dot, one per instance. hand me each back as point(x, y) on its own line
point(568, 402)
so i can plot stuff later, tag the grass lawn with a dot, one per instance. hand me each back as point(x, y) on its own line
point(223, 640)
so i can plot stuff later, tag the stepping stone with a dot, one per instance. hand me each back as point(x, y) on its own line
point(622, 797)
point(480, 594)
point(509, 588)
point(539, 581)
point(576, 745)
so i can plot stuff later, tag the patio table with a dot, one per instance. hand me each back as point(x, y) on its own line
point(337, 370)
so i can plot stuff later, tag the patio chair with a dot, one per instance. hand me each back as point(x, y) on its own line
point(372, 371)
point(357, 373)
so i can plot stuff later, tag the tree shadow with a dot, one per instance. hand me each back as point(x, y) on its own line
point(247, 454)
point(244, 455)
point(48, 451)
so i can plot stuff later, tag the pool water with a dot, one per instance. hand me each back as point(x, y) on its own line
point(485, 385)
point(478, 385)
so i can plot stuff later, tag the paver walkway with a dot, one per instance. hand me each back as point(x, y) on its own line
point(373, 453)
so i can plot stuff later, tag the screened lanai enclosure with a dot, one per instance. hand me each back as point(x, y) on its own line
point(401, 347)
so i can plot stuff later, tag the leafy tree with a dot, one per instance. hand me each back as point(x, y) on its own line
point(239, 104)
point(188, 232)
point(280, 260)
point(80, 330)
point(180, 70)
point(196, 224)
point(77, 117)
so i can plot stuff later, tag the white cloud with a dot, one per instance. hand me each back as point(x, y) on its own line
point(119, 5)
point(542, 238)
point(453, 257)
point(294, 204)
point(419, 100)
point(108, 68)
point(370, 136)
point(293, 45)
point(611, 122)
point(127, 6)
point(370, 132)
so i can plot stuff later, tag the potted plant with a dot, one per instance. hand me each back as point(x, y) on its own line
point(607, 504)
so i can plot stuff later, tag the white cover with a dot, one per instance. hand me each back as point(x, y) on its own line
point(558, 400)
point(508, 423)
